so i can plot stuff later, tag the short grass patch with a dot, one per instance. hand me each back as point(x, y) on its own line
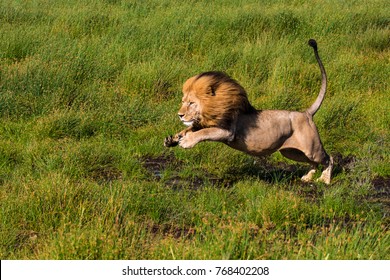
point(89, 89)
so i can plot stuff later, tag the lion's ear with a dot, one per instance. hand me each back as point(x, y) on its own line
point(211, 90)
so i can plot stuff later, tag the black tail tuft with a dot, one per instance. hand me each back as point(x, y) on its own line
point(313, 44)
point(316, 105)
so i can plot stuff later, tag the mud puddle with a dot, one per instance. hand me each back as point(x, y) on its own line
point(156, 165)
point(263, 169)
point(381, 194)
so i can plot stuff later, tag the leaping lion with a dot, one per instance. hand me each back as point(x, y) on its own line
point(216, 108)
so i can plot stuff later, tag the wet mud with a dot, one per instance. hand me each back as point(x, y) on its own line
point(262, 169)
point(157, 165)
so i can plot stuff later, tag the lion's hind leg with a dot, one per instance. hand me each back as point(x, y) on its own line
point(327, 173)
point(309, 176)
point(320, 158)
point(298, 155)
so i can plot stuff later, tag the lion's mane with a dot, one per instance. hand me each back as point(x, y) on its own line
point(220, 98)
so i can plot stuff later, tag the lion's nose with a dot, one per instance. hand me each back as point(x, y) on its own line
point(181, 116)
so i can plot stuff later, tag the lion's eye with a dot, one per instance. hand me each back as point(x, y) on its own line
point(191, 103)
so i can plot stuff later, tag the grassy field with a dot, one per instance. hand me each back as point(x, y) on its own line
point(90, 89)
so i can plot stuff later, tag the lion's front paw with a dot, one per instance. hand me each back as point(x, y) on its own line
point(170, 141)
point(187, 142)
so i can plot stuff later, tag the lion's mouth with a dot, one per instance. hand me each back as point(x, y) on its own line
point(188, 123)
point(185, 122)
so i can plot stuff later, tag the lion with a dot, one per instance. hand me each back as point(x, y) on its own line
point(215, 107)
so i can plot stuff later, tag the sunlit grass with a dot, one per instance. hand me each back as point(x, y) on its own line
point(89, 89)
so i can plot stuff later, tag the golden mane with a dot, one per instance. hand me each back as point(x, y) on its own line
point(220, 98)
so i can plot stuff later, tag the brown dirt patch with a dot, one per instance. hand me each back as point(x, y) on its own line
point(156, 165)
point(381, 193)
point(264, 169)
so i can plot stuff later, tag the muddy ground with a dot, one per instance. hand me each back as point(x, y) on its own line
point(263, 169)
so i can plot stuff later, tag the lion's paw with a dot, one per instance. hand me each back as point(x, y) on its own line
point(187, 142)
point(170, 142)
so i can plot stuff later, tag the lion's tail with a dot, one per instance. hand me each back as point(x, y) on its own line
point(316, 105)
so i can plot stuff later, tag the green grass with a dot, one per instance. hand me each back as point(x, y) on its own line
point(89, 89)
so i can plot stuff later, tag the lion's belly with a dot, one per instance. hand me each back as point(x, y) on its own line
point(264, 134)
point(258, 146)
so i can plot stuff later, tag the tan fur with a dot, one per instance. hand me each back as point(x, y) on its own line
point(216, 108)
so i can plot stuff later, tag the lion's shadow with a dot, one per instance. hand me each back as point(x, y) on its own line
point(265, 169)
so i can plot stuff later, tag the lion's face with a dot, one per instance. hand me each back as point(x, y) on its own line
point(212, 99)
point(189, 112)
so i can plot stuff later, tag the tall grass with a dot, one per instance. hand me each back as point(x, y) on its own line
point(89, 89)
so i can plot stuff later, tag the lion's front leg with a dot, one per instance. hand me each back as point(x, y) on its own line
point(190, 139)
point(172, 141)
